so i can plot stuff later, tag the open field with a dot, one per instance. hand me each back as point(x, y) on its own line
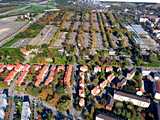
point(9, 26)
point(5, 8)
point(31, 32)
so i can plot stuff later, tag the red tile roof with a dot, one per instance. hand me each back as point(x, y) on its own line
point(41, 75)
point(84, 68)
point(51, 75)
point(68, 75)
point(81, 102)
point(61, 67)
point(110, 77)
point(18, 67)
point(10, 66)
point(12, 74)
point(10, 77)
point(109, 68)
point(23, 75)
point(96, 90)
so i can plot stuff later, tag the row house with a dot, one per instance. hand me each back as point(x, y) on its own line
point(96, 90)
point(23, 74)
point(68, 75)
point(13, 73)
point(83, 69)
point(136, 100)
point(51, 76)
point(40, 77)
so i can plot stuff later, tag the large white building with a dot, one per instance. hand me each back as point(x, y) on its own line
point(136, 100)
point(3, 105)
point(26, 111)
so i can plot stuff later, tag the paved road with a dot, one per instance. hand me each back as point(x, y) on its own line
point(44, 36)
point(12, 94)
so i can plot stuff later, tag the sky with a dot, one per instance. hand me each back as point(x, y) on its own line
point(153, 1)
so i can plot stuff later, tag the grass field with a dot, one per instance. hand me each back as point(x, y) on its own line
point(11, 56)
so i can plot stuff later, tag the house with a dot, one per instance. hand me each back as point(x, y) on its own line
point(26, 111)
point(2, 68)
point(25, 51)
point(82, 102)
point(51, 75)
point(82, 81)
point(109, 68)
point(82, 89)
point(81, 92)
point(37, 67)
point(40, 77)
point(68, 75)
point(103, 84)
point(97, 69)
point(110, 103)
point(110, 77)
point(157, 90)
point(12, 74)
point(107, 116)
point(10, 67)
point(60, 68)
point(3, 105)
point(136, 100)
point(10, 77)
point(96, 90)
point(1, 65)
point(82, 86)
point(23, 74)
point(18, 67)
point(84, 68)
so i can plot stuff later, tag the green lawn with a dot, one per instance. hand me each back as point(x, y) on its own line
point(10, 56)
point(3, 85)
point(153, 64)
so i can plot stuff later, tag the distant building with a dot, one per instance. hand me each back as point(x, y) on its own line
point(141, 37)
point(26, 111)
point(3, 105)
point(136, 100)
point(107, 116)
point(157, 90)
point(157, 113)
